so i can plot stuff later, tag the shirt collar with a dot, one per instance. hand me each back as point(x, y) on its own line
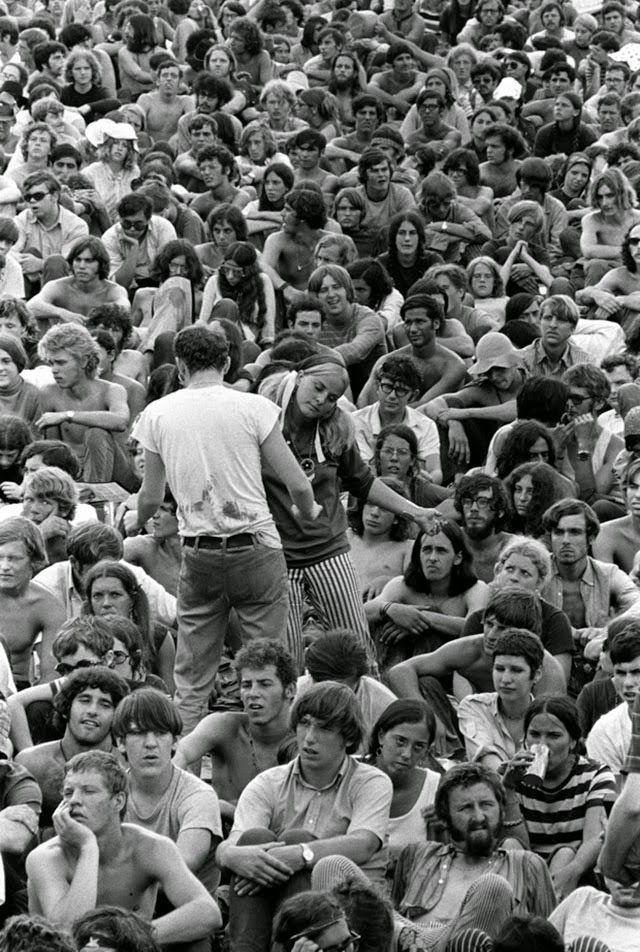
point(340, 774)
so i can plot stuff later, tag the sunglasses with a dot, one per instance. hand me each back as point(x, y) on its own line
point(633, 242)
point(131, 224)
point(64, 669)
point(35, 197)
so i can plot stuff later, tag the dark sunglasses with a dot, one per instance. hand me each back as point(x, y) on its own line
point(35, 197)
point(63, 668)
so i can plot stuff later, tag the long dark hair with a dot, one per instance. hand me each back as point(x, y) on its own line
point(403, 711)
point(250, 291)
point(174, 249)
point(144, 33)
point(394, 228)
point(515, 449)
point(564, 709)
point(285, 174)
point(462, 577)
point(545, 493)
point(399, 527)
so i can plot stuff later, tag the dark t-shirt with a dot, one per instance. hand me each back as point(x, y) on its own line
point(556, 629)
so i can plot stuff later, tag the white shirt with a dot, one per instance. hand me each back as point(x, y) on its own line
point(368, 425)
point(609, 738)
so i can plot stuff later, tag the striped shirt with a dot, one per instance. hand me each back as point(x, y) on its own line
point(555, 816)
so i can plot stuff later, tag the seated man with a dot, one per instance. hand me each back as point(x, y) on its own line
point(28, 610)
point(492, 723)
point(84, 708)
point(466, 664)
point(587, 590)
point(134, 241)
point(86, 546)
point(136, 393)
point(71, 299)
point(554, 351)
point(398, 86)
point(398, 382)
point(481, 505)
point(471, 882)
point(81, 409)
point(324, 803)
point(116, 320)
point(20, 803)
point(96, 859)
point(243, 744)
point(434, 132)
point(620, 369)
point(609, 738)
point(340, 656)
point(164, 798)
point(619, 539)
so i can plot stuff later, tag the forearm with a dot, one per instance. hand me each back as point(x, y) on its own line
point(586, 856)
point(632, 301)
point(594, 250)
point(382, 495)
point(43, 309)
point(125, 274)
point(356, 848)
point(187, 923)
point(404, 682)
point(15, 837)
point(19, 733)
point(622, 831)
point(447, 625)
point(82, 894)
point(102, 419)
point(147, 505)
point(504, 412)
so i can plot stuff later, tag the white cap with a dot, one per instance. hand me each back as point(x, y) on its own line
point(96, 132)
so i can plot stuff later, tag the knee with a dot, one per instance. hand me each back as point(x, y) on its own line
point(256, 836)
point(561, 857)
point(471, 940)
point(494, 889)
point(95, 437)
point(330, 871)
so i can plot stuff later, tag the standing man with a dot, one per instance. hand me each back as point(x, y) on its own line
point(211, 444)
point(81, 410)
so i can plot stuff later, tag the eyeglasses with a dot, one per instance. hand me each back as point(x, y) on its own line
point(64, 668)
point(399, 389)
point(577, 398)
point(119, 657)
point(481, 504)
point(351, 944)
point(35, 197)
point(133, 224)
point(511, 66)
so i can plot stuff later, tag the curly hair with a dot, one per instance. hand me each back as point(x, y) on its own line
point(248, 293)
point(544, 494)
point(250, 33)
point(469, 485)
point(126, 930)
point(74, 339)
point(461, 577)
point(590, 378)
point(515, 448)
point(28, 132)
point(174, 249)
point(260, 652)
point(309, 206)
point(24, 933)
point(96, 678)
point(77, 55)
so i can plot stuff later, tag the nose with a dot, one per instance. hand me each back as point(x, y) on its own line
point(478, 815)
point(150, 739)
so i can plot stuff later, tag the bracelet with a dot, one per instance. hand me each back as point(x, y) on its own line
point(384, 611)
point(510, 824)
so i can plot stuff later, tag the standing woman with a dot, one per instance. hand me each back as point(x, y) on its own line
point(240, 279)
point(322, 438)
point(117, 165)
point(567, 133)
point(139, 35)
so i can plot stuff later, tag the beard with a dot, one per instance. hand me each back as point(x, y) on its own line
point(479, 839)
point(479, 532)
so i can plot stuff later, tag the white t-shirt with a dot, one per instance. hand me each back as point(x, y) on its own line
point(589, 912)
point(609, 738)
point(209, 439)
point(411, 828)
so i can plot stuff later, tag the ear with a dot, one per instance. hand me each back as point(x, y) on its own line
point(457, 559)
point(537, 676)
point(290, 692)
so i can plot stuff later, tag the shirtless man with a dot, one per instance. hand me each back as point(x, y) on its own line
point(309, 147)
point(441, 370)
point(85, 703)
point(482, 507)
point(71, 299)
point(80, 409)
point(604, 228)
point(159, 551)
point(136, 393)
point(97, 860)
point(619, 289)
point(164, 106)
point(243, 745)
point(619, 539)
point(27, 609)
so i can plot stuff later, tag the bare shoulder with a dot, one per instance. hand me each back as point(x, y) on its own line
point(148, 850)
point(41, 596)
point(223, 727)
point(49, 854)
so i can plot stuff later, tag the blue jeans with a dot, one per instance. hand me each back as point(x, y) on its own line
point(253, 581)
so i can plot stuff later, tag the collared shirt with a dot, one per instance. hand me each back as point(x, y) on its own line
point(603, 587)
point(159, 232)
point(537, 362)
point(368, 425)
point(57, 239)
point(483, 727)
point(58, 580)
point(609, 738)
point(359, 798)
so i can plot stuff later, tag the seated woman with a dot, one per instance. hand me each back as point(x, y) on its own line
point(379, 540)
point(17, 397)
point(406, 258)
point(396, 455)
point(532, 488)
point(573, 180)
point(567, 133)
point(421, 610)
point(487, 288)
point(111, 589)
point(400, 745)
point(265, 214)
point(225, 224)
point(617, 294)
point(531, 442)
point(463, 168)
point(566, 810)
point(240, 279)
point(523, 255)
point(116, 167)
point(374, 288)
point(504, 147)
point(349, 210)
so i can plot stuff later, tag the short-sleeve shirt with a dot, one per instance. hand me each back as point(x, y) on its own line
point(55, 240)
point(556, 628)
point(209, 439)
point(358, 799)
point(187, 804)
point(368, 426)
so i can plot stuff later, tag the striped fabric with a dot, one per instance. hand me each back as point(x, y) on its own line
point(555, 817)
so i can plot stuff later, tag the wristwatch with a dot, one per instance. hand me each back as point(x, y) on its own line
point(307, 855)
point(70, 414)
point(444, 226)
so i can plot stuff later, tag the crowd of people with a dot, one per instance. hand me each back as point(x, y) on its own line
point(319, 475)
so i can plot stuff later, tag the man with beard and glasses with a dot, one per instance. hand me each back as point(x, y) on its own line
point(482, 505)
point(476, 880)
point(243, 744)
point(587, 590)
point(84, 709)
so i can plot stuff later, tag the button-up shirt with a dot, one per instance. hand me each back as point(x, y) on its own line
point(368, 426)
point(536, 360)
point(483, 727)
point(57, 239)
point(159, 232)
point(603, 587)
point(280, 799)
